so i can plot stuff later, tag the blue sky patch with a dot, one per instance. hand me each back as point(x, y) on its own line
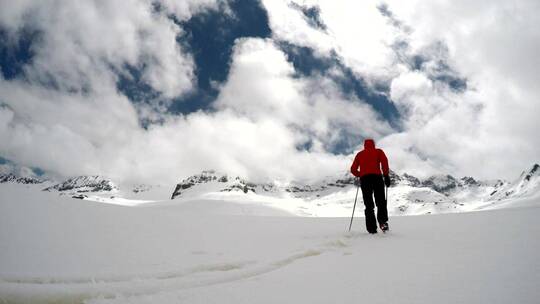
point(436, 55)
point(312, 15)
point(130, 83)
point(307, 63)
point(210, 37)
point(16, 51)
point(9, 163)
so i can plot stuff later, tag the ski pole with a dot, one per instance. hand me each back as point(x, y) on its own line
point(354, 207)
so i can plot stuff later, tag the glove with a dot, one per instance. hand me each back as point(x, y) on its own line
point(357, 181)
point(387, 180)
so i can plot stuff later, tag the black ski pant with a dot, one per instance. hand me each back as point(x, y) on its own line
point(373, 184)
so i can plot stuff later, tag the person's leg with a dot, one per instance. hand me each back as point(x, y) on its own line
point(366, 184)
point(380, 200)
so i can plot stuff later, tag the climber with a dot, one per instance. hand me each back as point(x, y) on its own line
point(367, 167)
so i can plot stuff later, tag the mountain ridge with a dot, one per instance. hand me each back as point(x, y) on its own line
point(408, 194)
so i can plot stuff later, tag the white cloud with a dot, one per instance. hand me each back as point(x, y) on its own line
point(67, 111)
point(262, 84)
point(265, 110)
point(288, 23)
point(81, 41)
point(184, 9)
point(264, 113)
point(227, 142)
point(489, 130)
point(356, 32)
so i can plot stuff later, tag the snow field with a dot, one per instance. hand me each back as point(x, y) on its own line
point(61, 250)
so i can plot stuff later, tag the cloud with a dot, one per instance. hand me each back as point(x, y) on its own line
point(468, 103)
point(226, 142)
point(355, 30)
point(263, 114)
point(262, 84)
point(493, 44)
point(83, 45)
point(66, 107)
point(185, 9)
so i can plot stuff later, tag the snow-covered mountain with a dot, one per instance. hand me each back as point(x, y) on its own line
point(407, 195)
point(82, 184)
point(10, 177)
point(102, 189)
point(90, 187)
point(445, 185)
point(78, 186)
point(211, 181)
point(527, 184)
point(330, 196)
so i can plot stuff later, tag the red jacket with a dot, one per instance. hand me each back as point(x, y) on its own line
point(369, 161)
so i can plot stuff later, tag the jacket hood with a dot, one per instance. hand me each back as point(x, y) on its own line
point(369, 144)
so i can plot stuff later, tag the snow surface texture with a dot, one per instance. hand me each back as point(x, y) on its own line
point(56, 249)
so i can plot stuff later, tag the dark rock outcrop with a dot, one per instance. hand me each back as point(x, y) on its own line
point(84, 184)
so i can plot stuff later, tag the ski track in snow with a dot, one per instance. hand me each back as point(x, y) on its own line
point(79, 290)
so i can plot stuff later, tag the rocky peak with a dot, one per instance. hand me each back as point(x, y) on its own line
point(12, 178)
point(240, 184)
point(441, 183)
point(534, 171)
point(394, 177)
point(468, 181)
point(93, 183)
point(411, 180)
point(202, 178)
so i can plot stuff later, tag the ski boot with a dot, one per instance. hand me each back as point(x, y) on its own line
point(384, 227)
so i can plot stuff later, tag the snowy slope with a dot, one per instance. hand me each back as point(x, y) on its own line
point(54, 249)
point(527, 184)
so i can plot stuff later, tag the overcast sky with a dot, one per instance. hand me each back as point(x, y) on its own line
point(154, 91)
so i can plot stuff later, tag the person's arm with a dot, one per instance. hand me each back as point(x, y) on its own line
point(355, 165)
point(385, 169)
point(384, 162)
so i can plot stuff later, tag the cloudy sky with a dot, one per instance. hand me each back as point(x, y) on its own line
point(141, 90)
